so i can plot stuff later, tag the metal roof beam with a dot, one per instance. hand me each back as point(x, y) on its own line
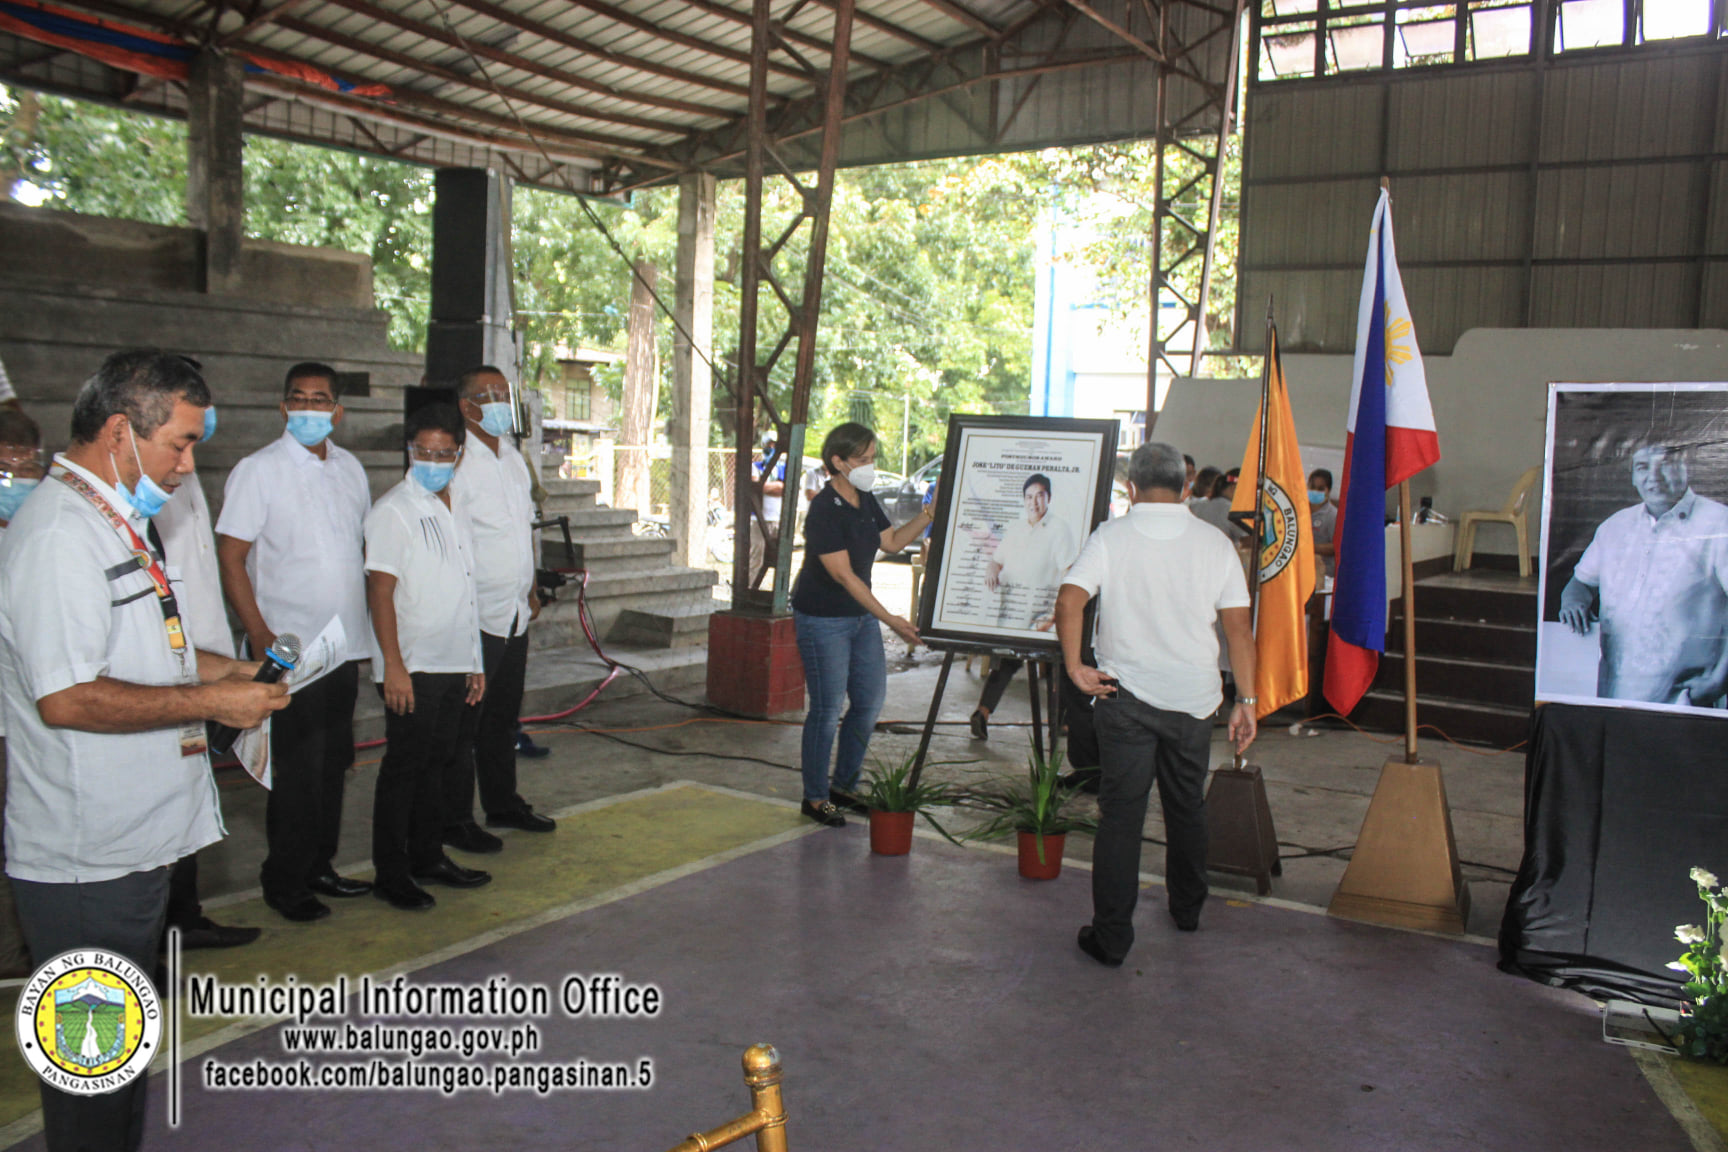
point(630, 20)
point(607, 55)
point(1117, 30)
point(714, 7)
point(450, 76)
point(511, 60)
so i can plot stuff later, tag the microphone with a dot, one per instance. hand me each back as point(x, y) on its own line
point(279, 660)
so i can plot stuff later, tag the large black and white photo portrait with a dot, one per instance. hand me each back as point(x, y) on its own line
point(1634, 589)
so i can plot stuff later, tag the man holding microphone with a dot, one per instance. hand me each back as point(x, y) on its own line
point(105, 699)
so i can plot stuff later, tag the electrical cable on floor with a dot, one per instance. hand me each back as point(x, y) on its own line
point(1419, 728)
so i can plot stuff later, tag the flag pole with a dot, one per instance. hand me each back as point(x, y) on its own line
point(1408, 580)
point(1260, 474)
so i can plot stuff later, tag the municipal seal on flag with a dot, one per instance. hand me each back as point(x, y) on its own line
point(89, 1022)
point(1278, 533)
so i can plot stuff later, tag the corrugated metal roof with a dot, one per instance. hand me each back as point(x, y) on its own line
point(622, 92)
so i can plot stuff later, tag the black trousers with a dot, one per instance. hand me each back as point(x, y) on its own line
point(123, 916)
point(406, 806)
point(311, 750)
point(1002, 672)
point(1139, 744)
point(488, 736)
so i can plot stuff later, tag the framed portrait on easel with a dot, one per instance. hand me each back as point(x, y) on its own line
point(1019, 496)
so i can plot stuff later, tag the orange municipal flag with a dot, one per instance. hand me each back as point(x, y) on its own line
point(1286, 552)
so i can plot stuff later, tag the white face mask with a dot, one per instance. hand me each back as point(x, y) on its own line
point(862, 477)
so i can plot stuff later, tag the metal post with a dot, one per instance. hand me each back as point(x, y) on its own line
point(1409, 579)
point(746, 496)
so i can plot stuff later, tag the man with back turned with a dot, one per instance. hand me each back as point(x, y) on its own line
point(1164, 581)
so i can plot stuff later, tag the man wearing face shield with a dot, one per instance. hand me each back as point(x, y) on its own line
point(1660, 572)
point(290, 546)
point(105, 699)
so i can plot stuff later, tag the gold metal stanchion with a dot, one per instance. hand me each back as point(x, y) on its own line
point(767, 1118)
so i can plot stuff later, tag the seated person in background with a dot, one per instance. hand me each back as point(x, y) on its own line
point(425, 656)
point(1323, 515)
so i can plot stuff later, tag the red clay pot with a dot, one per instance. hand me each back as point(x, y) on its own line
point(891, 832)
point(1052, 866)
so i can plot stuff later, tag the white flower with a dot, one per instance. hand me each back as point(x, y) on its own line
point(1677, 966)
point(1689, 934)
point(1704, 879)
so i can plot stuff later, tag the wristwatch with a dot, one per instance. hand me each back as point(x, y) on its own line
point(1248, 700)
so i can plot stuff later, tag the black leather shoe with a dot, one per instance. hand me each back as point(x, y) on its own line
point(206, 933)
point(824, 813)
point(301, 909)
point(1189, 922)
point(980, 725)
point(470, 837)
point(330, 884)
point(1088, 941)
point(525, 746)
point(524, 819)
point(843, 799)
point(452, 875)
point(403, 894)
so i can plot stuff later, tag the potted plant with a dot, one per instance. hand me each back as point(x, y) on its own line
point(1035, 810)
point(1703, 1033)
point(895, 803)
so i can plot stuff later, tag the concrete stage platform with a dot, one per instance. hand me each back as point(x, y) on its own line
point(938, 1001)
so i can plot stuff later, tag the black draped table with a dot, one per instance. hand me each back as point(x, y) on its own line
point(1619, 806)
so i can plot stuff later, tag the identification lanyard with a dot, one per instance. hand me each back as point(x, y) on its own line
point(192, 735)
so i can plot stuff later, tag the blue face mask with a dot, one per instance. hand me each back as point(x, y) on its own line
point(12, 493)
point(1316, 497)
point(209, 424)
point(310, 429)
point(149, 496)
point(495, 418)
point(432, 477)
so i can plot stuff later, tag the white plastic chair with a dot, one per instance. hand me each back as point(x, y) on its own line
point(1514, 512)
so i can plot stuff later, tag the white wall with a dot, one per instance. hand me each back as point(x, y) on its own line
point(1490, 404)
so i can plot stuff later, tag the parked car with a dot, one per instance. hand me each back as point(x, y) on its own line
point(903, 497)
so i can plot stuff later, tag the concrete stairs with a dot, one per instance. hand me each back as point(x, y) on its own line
point(1475, 659)
point(635, 594)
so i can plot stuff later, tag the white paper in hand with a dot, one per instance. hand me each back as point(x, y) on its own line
point(253, 750)
point(319, 657)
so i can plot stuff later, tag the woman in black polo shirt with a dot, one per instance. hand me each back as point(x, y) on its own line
point(836, 616)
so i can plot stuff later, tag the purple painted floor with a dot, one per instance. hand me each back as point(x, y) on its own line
point(938, 1002)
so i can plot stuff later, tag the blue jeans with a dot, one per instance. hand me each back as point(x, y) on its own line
point(843, 661)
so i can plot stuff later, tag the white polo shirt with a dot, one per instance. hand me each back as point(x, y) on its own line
point(184, 525)
point(1161, 576)
point(304, 518)
point(499, 497)
point(1035, 555)
point(83, 807)
point(427, 547)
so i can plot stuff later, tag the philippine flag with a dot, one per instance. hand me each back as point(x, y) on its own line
point(1389, 438)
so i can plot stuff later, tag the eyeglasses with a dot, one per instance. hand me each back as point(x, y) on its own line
point(296, 402)
point(434, 455)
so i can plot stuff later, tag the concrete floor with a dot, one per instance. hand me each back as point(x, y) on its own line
point(1318, 785)
point(938, 1001)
